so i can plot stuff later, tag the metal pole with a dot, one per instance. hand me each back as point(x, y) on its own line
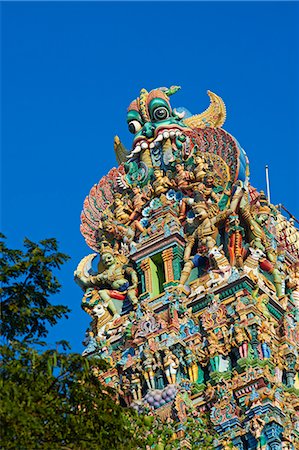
point(268, 184)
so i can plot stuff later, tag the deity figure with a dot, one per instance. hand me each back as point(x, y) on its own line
point(115, 232)
point(256, 427)
point(171, 364)
point(116, 275)
point(256, 220)
point(210, 392)
point(139, 200)
point(265, 338)
point(215, 348)
point(148, 366)
point(121, 210)
point(136, 385)
point(182, 178)
point(162, 183)
point(126, 390)
point(201, 167)
point(159, 371)
point(236, 234)
point(261, 303)
point(279, 365)
point(205, 192)
point(293, 287)
point(242, 338)
point(91, 344)
point(182, 369)
point(191, 362)
point(207, 228)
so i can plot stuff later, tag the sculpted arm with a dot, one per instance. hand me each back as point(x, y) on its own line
point(98, 279)
point(130, 271)
point(220, 218)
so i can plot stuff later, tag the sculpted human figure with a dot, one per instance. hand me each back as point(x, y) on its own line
point(139, 200)
point(191, 362)
point(210, 392)
point(182, 178)
point(215, 348)
point(121, 209)
point(201, 167)
point(162, 183)
point(136, 385)
point(242, 337)
point(279, 365)
point(256, 220)
point(265, 338)
point(116, 232)
point(203, 194)
point(204, 236)
point(116, 276)
point(256, 428)
point(205, 190)
point(123, 213)
point(171, 364)
point(148, 366)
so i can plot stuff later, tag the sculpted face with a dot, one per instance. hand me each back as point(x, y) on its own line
point(158, 129)
point(200, 212)
point(98, 310)
point(108, 259)
point(209, 180)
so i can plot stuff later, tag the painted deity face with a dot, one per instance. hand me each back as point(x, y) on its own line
point(158, 129)
point(118, 201)
point(108, 259)
point(136, 190)
point(209, 180)
point(200, 212)
point(179, 167)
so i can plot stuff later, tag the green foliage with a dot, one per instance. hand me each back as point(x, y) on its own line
point(166, 435)
point(27, 281)
point(50, 399)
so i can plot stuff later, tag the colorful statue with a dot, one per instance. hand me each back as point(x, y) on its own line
point(149, 366)
point(171, 364)
point(242, 338)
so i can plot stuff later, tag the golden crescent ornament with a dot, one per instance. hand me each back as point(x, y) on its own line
point(214, 116)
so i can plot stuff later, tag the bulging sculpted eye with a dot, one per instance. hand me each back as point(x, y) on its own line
point(161, 113)
point(134, 126)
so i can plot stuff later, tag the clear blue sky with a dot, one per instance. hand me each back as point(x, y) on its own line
point(69, 71)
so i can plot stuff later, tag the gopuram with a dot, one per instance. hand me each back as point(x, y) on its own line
point(193, 286)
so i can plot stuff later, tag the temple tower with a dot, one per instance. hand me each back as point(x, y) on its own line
point(194, 300)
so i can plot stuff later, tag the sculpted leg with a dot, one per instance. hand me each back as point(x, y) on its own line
point(104, 295)
point(186, 272)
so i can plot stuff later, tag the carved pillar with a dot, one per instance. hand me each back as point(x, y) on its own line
point(167, 256)
point(145, 266)
point(140, 276)
point(178, 253)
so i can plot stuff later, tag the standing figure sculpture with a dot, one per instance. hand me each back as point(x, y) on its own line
point(148, 366)
point(171, 364)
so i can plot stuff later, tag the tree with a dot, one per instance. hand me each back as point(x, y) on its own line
point(50, 399)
